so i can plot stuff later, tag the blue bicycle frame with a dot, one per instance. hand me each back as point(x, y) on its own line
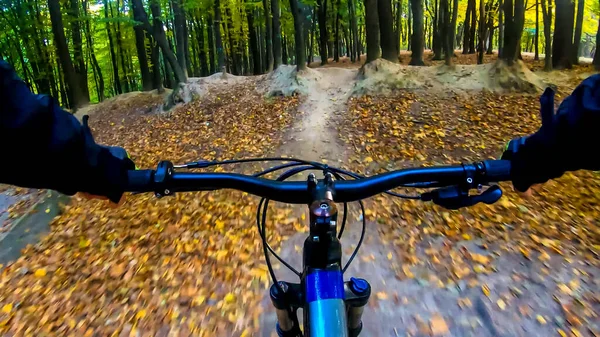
point(331, 306)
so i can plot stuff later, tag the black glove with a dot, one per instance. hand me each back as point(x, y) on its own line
point(560, 144)
point(106, 168)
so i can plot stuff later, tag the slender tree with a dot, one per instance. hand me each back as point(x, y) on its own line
point(578, 29)
point(268, 35)
point(482, 24)
point(563, 35)
point(298, 36)
point(218, 39)
point(372, 27)
point(256, 66)
point(77, 96)
point(354, 29)
point(500, 27)
point(90, 46)
point(547, 16)
point(276, 13)
point(336, 46)
point(398, 30)
point(322, 6)
point(140, 46)
point(537, 30)
point(514, 13)
point(417, 35)
point(386, 30)
point(466, 36)
point(452, 34)
point(78, 62)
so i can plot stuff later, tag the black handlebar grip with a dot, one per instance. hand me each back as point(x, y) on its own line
point(497, 170)
point(140, 181)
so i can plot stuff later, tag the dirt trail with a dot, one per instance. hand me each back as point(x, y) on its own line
point(314, 135)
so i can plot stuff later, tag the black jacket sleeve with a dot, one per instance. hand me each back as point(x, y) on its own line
point(44, 146)
point(566, 140)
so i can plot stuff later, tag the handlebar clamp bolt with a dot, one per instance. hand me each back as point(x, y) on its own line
point(167, 192)
point(470, 180)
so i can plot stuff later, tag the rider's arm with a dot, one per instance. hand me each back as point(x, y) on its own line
point(565, 142)
point(43, 146)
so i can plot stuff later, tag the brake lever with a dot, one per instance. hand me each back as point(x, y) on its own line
point(455, 197)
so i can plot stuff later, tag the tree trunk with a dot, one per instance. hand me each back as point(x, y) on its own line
point(596, 60)
point(211, 45)
point(482, 24)
point(113, 57)
point(120, 51)
point(537, 30)
point(547, 17)
point(284, 50)
point(140, 46)
point(336, 47)
point(256, 66)
point(416, 59)
point(453, 26)
point(311, 42)
point(155, 58)
point(386, 30)
point(218, 38)
point(514, 15)
point(473, 27)
point(90, 45)
point(446, 34)
point(435, 32)
point(398, 31)
point(578, 28)
point(563, 35)
point(298, 35)
point(178, 23)
point(276, 13)
point(354, 28)
point(322, 6)
point(77, 96)
point(409, 26)
point(78, 61)
point(268, 35)
point(158, 32)
point(198, 24)
point(236, 62)
point(500, 28)
point(372, 27)
point(467, 29)
point(490, 29)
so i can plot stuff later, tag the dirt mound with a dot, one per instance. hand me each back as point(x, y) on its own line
point(137, 101)
point(287, 81)
point(382, 76)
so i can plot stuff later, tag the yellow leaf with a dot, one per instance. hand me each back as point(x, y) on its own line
point(486, 290)
point(382, 295)
point(219, 224)
point(501, 304)
point(389, 256)
point(7, 308)
point(47, 210)
point(480, 258)
point(229, 298)
point(245, 333)
point(368, 160)
point(84, 243)
point(565, 289)
point(466, 236)
point(140, 314)
point(41, 272)
point(575, 332)
point(438, 326)
point(540, 319)
point(561, 333)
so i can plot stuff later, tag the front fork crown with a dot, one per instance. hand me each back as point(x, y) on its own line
point(356, 296)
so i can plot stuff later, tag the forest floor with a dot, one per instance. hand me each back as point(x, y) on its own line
point(192, 264)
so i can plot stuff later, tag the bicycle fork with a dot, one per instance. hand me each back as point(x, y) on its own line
point(356, 295)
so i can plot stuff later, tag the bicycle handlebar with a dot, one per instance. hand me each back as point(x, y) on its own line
point(167, 181)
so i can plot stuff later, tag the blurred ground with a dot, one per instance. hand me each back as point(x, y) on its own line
point(192, 265)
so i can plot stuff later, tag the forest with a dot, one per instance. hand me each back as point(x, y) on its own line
point(83, 51)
